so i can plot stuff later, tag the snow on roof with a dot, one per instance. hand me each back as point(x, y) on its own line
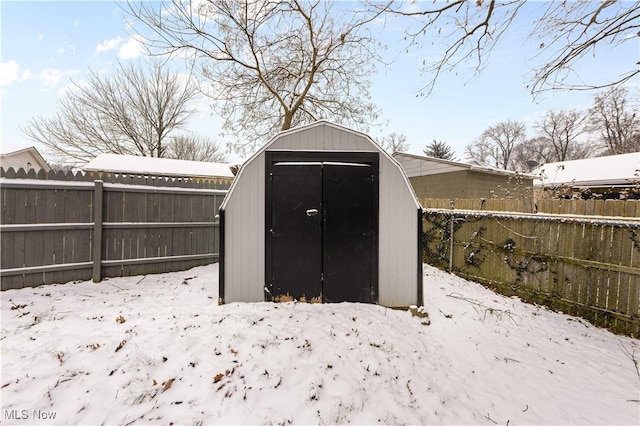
point(611, 170)
point(132, 164)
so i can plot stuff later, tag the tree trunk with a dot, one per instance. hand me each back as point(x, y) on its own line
point(288, 119)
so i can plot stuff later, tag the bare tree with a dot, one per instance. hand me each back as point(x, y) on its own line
point(480, 152)
point(531, 153)
point(560, 131)
point(270, 65)
point(394, 142)
point(440, 149)
point(495, 145)
point(131, 111)
point(566, 32)
point(195, 148)
point(615, 122)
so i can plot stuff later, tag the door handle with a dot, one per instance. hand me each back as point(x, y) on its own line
point(312, 212)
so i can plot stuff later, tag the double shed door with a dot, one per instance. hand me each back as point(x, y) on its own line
point(323, 230)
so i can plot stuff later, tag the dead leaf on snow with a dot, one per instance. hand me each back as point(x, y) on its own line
point(166, 385)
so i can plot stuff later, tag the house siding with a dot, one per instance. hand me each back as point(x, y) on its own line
point(22, 160)
point(465, 184)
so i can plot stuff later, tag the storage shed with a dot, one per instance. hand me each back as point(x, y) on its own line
point(321, 212)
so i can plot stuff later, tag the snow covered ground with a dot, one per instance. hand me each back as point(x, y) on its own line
point(158, 350)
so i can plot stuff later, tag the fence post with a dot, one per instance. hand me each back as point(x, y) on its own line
point(97, 232)
point(452, 204)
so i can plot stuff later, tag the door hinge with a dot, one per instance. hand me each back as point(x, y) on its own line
point(321, 276)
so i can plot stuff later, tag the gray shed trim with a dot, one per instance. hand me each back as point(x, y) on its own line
point(244, 212)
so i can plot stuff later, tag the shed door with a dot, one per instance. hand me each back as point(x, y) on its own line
point(322, 231)
point(296, 231)
point(347, 232)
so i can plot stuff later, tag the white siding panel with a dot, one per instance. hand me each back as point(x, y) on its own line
point(323, 138)
point(398, 238)
point(337, 140)
point(244, 236)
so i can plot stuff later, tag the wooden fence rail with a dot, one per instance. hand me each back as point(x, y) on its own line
point(59, 231)
point(580, 265)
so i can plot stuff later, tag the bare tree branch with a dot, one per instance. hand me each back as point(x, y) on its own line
point(194, 148)
point(131, 111)
point(615, 121)
point(567, 31)
point(560, 130)
point(394, 142)
point(269, 65)
point(495, 146)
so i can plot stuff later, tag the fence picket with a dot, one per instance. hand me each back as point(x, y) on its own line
point(578, 265)
point(69, 239)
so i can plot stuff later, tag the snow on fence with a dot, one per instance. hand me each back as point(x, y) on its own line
point(584, 266)
point(523, 205)
point(60, 227)
point(593, 207)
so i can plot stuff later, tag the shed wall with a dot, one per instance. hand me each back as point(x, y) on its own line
point(244, 235)
point(398, 238)
point(322, 138)
point(245, 220)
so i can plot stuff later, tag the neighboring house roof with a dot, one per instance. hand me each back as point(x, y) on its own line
point(418, 165)
point(131, 164)
point(612, 170)
point(24, 158)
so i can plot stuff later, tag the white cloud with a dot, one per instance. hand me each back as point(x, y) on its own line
point(66, 48)
point(108, 44)
point(50, 77)
point(10, 73)
point(75, 23)
point(132, 48)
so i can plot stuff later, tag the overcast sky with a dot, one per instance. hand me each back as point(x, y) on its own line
point(45, 44)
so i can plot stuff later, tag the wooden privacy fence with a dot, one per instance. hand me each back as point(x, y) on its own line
point(55, 231)
point(582, 266)
point(592, 207)
point(624, 208)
